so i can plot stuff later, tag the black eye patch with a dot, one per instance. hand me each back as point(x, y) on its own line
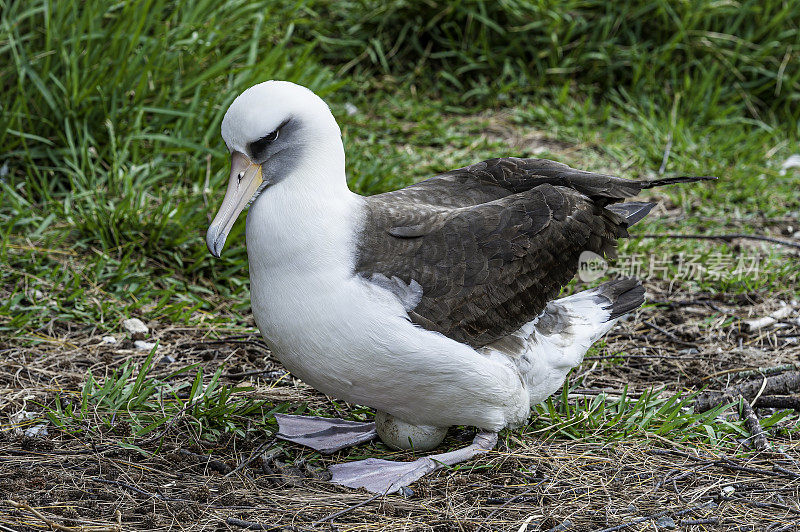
point(259, 147)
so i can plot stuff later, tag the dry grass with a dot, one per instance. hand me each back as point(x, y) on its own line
point(592, 486)
point(546, 481)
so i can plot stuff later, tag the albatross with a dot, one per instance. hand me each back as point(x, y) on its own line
point(436, 304)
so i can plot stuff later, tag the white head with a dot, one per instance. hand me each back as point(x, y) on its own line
point(272, 130)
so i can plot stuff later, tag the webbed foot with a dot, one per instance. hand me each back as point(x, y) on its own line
point(385, 476)
point(326, 435)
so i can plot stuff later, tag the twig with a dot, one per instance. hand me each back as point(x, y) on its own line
point(56, 526)
point(223, 341)
point(214, 465)
point(760, 391)
point(164, 498)
point(250, 525)
point(510, 500)
point(645, 338)
point(673, 357)
point(752, 372)
point(724, 463)
point(253, 456)
point(765, 322)
point(272, 374)
point(725, 237)
point(770, 505)
point(561, 527)
point(778, 401)
point(635, 521)
point(669, 335)
point(728, 464)
point(507, 500)
point(748, 415)
point(685, 474)
point(346, 510)
point(700, 300)
point(785, 384)
point(138, 491)
point(653, 516)
point(785, 471)
point(792, 526)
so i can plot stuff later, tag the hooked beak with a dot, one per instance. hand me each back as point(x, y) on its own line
point(244, 182)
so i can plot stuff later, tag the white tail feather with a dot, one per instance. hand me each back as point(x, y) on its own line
point(546, 348)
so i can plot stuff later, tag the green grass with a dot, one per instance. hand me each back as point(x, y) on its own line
point(132, 406)
point(109, 126)
point(719, 56)
point(111, 116)
point(652, 415)
point(111, 161)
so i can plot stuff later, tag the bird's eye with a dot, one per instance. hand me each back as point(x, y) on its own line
point(259, 147)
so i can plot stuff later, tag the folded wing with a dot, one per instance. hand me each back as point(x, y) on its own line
point(475, 253)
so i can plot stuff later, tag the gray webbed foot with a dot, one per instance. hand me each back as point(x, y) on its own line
point(326, 435)
point(385, 476)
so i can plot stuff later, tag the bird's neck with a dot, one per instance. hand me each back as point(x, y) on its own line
point(307, 221)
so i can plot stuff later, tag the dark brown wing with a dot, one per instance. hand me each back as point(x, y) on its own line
point(496, 178)
point(477, 252)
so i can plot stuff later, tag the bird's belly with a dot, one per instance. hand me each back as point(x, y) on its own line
point(324, 333)
point(353, 344)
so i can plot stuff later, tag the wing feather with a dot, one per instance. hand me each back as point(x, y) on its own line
point(490, 244)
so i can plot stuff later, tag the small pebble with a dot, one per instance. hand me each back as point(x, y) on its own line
point(136, 328)
point(35, 431)
point(144, 346)
point(793, 161)
point(728, 490)
point(166, 360)
point(20, 417)
point(350, 109)
point(666, 522)
point(38, 431)
point(566, 525)
point(109, 340)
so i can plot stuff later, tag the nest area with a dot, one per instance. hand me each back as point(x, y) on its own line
point(85, 479)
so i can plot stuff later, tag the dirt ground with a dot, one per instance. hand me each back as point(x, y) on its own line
point(684, 342)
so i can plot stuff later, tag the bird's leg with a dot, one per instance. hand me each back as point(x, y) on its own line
point(384, 476)
point(326, 435)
